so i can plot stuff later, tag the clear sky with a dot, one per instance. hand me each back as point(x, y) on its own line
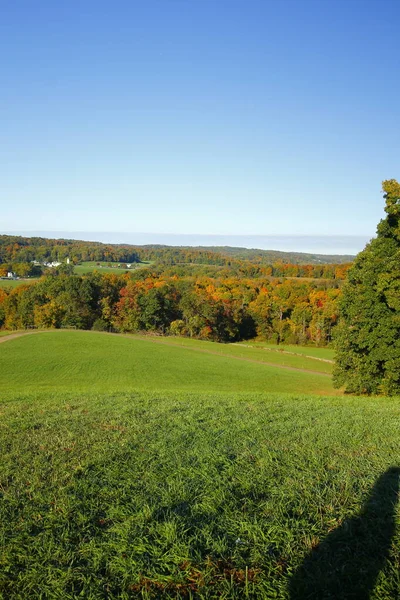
point(250, 117)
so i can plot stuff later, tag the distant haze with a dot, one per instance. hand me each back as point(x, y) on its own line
point(335, 244)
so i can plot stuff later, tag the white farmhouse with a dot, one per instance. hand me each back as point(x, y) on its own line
point(52, 264)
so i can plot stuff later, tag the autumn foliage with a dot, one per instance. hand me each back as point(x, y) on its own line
point(220, 308)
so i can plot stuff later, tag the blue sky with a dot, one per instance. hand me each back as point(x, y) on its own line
point(198, 116)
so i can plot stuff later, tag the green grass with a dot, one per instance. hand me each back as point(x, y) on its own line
point(90, 266)
point(5, 332)
point(13, 283)
point(197, 495)
point(289, 358)
point(133, 468)
point(83, 361)
point(325, 353)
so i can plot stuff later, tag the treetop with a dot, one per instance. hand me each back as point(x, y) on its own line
point(391, 193)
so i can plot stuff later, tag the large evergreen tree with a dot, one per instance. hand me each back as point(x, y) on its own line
point(368, 335)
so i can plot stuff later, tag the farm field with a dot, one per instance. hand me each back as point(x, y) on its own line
point(138, 469)
point(13, 283)
point(322, 352)
point(90, 266)
point(287, 356)
point(81, 360)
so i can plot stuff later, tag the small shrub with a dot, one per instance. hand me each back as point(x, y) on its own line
point(100, 325)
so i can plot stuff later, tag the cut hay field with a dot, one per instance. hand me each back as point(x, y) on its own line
point(135, 469)
point(103, 267)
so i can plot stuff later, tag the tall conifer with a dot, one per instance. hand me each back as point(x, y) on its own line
point(368, 335)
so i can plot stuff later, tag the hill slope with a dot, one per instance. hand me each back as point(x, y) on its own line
point(267, 256)
point(176, 491)
point(82, 360)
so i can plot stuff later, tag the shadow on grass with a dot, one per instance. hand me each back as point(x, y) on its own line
point(346, 564)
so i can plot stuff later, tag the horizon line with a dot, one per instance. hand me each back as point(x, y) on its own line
point(298, 235)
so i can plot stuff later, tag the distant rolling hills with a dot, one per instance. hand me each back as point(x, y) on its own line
point(264, 256)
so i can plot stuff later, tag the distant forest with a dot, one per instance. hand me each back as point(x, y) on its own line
point(184, 291)
point(267, 256)
point(16, 249)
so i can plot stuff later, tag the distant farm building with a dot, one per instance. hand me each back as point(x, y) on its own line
point(52, 264)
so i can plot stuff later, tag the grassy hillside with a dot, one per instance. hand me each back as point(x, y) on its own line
point(81, 360)
point(167, 468)
point(177, 495)
point(288, 356)
point(321, 353)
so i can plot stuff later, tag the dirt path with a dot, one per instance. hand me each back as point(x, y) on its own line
point(12, 336)
point(326, 360)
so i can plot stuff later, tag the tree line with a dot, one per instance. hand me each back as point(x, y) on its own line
point(219, 309)
point(18, 253)
point(18, 249)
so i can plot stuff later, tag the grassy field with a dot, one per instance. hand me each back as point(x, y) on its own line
point(324, 353)
point(90, 266)
point(145, 495)
point(13, 283)
point(6, 333)
point(287, 357)
point(123, 475)
point(82, 361)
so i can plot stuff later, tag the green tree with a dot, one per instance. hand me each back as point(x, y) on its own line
point(368, 335)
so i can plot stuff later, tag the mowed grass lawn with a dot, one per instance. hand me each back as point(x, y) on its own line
point(80, 360)
point(112, 486)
